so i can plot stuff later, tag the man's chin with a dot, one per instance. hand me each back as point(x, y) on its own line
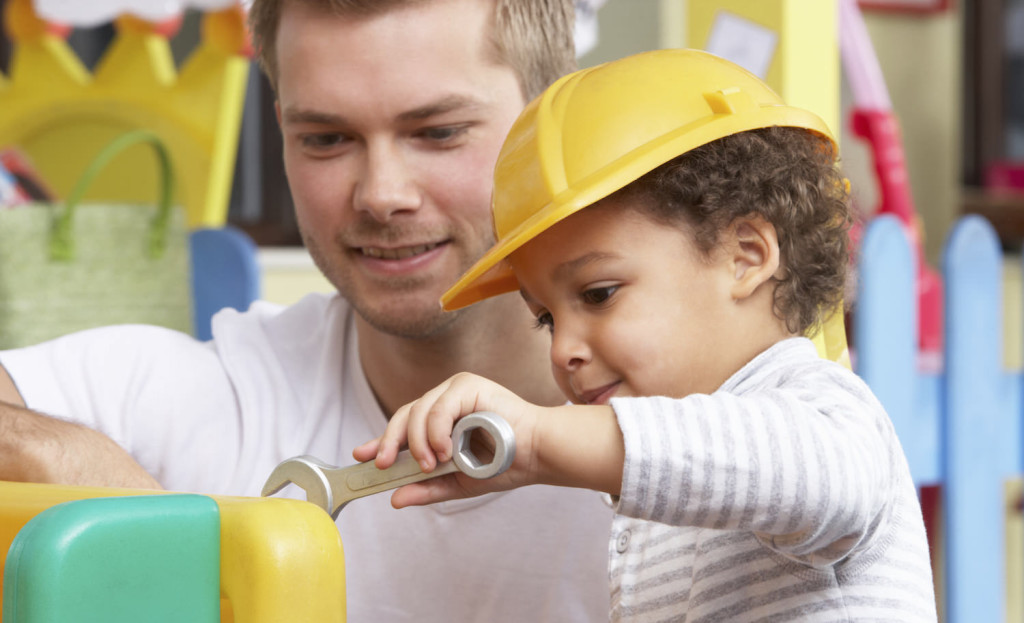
point(408, 323)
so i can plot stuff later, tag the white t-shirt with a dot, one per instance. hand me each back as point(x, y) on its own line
point(216, 417)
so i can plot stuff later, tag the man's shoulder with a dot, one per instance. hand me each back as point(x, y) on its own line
point(313, 314)
point(312, 303)
point(270, 344)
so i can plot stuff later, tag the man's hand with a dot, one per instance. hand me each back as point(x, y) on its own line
point(38, 448)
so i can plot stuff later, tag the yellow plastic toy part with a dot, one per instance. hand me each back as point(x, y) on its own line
point(830, 338)
point(59, 114)
point(281, 560)
point(804, 66)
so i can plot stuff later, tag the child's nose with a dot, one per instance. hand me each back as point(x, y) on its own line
point(569, 351)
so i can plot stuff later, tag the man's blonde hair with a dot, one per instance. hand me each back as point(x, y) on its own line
point(532, 37)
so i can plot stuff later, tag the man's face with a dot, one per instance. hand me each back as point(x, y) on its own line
point(391, 128)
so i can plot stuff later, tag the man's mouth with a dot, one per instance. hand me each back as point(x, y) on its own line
point(398, 253)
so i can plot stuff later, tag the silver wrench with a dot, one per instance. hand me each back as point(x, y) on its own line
point(331, 488)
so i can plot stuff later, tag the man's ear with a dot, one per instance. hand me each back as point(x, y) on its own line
point(755, 254)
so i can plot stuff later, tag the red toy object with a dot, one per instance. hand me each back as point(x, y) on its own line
point(874, 121)
point(1005, 175)
point(166, 28)
point(881, 130)
point(58, 30)
point(27, 180)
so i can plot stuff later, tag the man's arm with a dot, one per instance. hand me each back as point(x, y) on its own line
point(39, 448)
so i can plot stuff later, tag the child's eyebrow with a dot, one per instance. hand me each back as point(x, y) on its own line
point(526, 296)
point(568, 267)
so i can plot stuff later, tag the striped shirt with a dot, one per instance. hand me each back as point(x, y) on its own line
point(783, 496)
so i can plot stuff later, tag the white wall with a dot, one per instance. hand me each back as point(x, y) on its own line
point(288, 274)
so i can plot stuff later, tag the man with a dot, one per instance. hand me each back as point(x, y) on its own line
point(392, 115)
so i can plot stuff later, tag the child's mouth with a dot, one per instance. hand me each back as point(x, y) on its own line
point(600, 395)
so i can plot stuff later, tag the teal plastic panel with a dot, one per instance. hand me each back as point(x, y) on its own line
point(114, 560)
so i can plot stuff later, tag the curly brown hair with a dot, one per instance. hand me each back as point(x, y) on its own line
point(788, 176)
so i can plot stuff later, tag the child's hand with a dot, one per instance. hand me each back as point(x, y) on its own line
point(426, 426)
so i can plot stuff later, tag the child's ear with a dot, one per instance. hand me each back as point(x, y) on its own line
point(755, 254)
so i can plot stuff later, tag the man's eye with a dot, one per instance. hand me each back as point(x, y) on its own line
point(443, 133)
point(545, 321)
point(320, 142)
point(596, 296)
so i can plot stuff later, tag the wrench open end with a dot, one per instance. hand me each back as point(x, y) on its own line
point(306, 472)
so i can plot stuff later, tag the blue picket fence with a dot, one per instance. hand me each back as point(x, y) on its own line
point(961, 424)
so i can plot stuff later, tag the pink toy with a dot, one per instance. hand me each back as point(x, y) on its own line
point(873, 120)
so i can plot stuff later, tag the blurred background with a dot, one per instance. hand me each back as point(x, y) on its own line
point(954, 70)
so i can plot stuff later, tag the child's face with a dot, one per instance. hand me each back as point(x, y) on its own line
point(634, 309)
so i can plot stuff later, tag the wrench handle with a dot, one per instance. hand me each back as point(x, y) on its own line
point(365, 479)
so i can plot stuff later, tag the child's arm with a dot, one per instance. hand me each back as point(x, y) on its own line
point(811, 477)
point(571, 445)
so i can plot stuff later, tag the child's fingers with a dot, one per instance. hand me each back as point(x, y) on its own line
point(424, 448)
point(367, 451)
point(395, 435)
point(426, 424)
point(430, 423)
point(464, 394)
point(430, 491)
point(456, 398)
point(440, 421)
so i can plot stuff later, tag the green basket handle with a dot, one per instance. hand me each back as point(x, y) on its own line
point(61, 244)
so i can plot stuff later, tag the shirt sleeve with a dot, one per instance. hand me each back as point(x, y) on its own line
point(810, 465)
point(161, 395)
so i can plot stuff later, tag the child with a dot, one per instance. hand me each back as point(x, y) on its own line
point(677, 229)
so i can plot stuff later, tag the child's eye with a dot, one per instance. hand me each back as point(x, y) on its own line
point(545, 321)
point(596, 296)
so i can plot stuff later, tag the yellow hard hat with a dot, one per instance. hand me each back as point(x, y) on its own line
point(598, 129)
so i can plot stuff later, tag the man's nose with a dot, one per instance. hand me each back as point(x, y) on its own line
point(387, 185)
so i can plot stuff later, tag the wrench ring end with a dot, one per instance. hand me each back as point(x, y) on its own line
point(504, 444)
